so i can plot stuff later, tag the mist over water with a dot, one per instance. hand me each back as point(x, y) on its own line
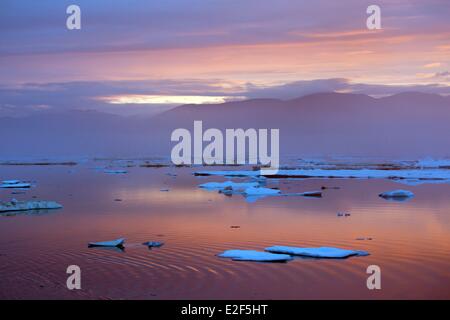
point(403, 126)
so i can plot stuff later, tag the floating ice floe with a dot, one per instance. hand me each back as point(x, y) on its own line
point(115, 171)
point(407, 176)
point(15, 184)
point(434, 163)
point(153, 244)
point(402, 194)
point(320, 252)
point(252, 255)
point(228, 184)
point(112, 243)
point(10, 181)
point(261, 191)
point(15, 205)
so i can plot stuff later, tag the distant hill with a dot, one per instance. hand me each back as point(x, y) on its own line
point(406, 125)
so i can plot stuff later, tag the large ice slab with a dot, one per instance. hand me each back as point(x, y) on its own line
point(228, 184)
point(401, 175)
point(320, 252)
point(15, 205)
point(253, 255)
point(111, 243)
point(434, 163)
point(261, 191)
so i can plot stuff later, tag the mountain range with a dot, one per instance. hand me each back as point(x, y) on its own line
point(405, 125)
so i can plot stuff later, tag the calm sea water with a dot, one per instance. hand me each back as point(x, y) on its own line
point(411, 240)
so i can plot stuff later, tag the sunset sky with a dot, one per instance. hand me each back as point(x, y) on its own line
point(154, 53)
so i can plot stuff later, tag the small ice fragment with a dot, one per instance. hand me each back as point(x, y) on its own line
point(115, 171)
point(16, 185)
point(396, 194)
point(112, 243)
point(252, 255)
point(316, 194)
point(320, 252)
point(15, 205)
point(153, 244)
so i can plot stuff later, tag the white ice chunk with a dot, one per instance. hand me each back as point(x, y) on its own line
point(252, 255)
point(252, 191)
point(320, 252)
point(112, 243)
point(397, 194)
point(15, 205)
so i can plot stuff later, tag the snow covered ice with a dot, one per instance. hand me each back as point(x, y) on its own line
point(253, 255)
point(228, 184)
point(15, 205)
point(320, 252)
point(407, 176)
point(253, 191)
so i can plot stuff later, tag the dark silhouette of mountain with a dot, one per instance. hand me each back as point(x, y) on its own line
point(406, 125)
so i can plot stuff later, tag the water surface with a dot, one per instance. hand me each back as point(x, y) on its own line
point(411, 240)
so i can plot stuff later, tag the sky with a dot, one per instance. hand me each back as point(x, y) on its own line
point(139, 56)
